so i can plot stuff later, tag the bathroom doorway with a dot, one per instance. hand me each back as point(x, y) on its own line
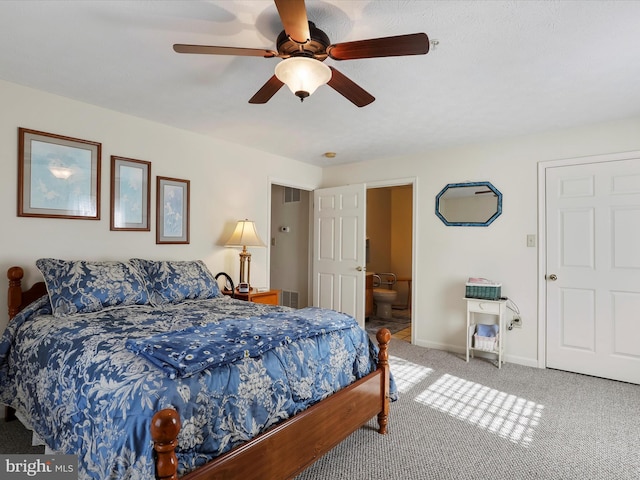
point(390, 251)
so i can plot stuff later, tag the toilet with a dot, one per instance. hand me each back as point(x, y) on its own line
point(383, 299)
point(383, 295)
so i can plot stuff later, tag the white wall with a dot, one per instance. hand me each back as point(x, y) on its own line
point(228, 182)
point(446, 256)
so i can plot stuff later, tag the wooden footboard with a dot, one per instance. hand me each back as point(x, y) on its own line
point(288, 448)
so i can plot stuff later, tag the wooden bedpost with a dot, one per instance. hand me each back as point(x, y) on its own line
point(383, 336)
point(165, 427)
point(14, 274)
point(14, 302)
point(18, 298)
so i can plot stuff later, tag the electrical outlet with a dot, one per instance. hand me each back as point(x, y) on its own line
point(516, 322)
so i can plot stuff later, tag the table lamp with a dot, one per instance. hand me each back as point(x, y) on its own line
point(244, 236)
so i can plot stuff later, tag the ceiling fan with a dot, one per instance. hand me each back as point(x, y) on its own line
point(304, 47)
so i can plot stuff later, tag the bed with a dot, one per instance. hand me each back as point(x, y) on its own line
point(154, 372)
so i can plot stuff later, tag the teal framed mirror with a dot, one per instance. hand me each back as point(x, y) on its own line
point(469, 204)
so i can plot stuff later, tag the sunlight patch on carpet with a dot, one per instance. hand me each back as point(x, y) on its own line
point(506, 415)
point(407, 374)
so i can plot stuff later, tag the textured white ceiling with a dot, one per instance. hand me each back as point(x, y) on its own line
point(501, 69)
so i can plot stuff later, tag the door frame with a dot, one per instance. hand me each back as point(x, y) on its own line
point(542, 235)
point(399, 182)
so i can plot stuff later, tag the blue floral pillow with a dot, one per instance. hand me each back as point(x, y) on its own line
point(82, 286)
point(176, 281)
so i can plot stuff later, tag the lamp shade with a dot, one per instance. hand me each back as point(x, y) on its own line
point(302, 75)
point(245, 235)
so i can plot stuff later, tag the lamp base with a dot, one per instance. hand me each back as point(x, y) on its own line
point(245, 266)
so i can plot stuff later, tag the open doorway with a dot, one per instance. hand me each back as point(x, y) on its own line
point(389, 258)
point(290, 245)
point(389, 232)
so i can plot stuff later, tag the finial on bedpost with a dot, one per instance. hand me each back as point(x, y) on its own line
point(14, 274)
point(165, 426)
point(384, 337)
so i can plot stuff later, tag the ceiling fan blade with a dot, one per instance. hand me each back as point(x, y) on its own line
point(267, 91)
point(293, 15)
point(411, 44)
point(349, 89)
point(211, 50)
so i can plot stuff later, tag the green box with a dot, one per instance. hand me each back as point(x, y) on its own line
point(484, 292)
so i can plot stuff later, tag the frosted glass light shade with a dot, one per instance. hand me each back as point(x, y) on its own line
point(302, 75)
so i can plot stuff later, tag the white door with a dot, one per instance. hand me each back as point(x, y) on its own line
point(593, 269)
point(339, 249)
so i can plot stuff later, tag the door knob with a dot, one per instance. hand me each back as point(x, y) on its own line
point(553, 277)
point(361, 269)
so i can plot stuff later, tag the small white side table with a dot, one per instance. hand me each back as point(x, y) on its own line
point(498, 308)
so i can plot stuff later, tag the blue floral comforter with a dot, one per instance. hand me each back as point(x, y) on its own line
point(81, 389)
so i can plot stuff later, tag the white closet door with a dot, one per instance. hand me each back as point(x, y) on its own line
point(593, 269)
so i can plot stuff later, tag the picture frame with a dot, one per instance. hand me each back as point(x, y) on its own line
point(172, 210)
point(130, 194)
point(58, 176)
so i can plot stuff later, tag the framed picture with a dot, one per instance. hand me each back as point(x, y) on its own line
point(172, 207)
point(130, 194)
point(58, 177)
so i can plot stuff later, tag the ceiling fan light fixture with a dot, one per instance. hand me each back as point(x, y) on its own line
point(302, 75)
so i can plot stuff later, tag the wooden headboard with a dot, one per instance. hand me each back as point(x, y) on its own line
point(17, 298)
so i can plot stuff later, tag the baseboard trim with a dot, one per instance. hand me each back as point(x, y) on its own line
point(525, 361)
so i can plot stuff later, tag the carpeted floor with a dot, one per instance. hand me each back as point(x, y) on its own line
point(14, 438)
point(458, 420)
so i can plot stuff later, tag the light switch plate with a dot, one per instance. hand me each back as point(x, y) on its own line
point(531, 240)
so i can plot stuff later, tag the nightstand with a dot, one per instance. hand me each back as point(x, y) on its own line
point(498, 309)
point(270, 297)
